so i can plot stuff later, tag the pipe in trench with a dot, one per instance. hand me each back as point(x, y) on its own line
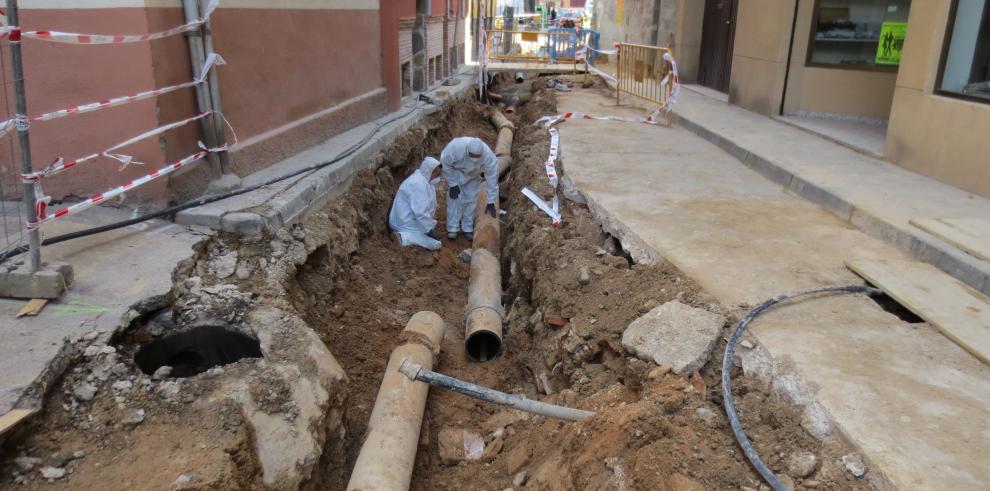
point(389, 450)
point(484, 313)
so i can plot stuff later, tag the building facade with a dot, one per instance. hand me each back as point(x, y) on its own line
point(914, 71)
point(297, 72)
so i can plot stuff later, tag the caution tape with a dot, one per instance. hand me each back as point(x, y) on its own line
point(212, 60)
point(552, 209)
point(41, 211)
point(60, 165)
point(76, 38)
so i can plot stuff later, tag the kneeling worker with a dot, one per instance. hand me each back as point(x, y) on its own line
point(415, 205)
point(464, 160)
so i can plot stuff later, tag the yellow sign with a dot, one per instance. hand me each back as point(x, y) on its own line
point(891, 43)
point(618, 12)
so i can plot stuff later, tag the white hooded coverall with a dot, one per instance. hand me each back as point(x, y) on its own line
point(415, 205)
point(460, 169)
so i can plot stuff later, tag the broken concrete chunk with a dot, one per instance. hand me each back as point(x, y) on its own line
point(122, 385)
point(136, 417)
point(854, 464)
point(25, 464)
point(460, 445)
point(84, 392)
point(674, 333)
point(162, 373)
point(801, 464)
point(584, 276)
point(52, 473)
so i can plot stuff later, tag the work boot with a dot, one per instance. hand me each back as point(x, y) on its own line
point(452, 235)
point(469, 235)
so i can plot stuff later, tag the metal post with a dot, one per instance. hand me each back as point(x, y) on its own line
point(30, 210)
point(195, 37)
point(214, 86)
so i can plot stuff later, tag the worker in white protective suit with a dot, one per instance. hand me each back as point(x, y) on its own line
point(464, 160)
point(415, 205)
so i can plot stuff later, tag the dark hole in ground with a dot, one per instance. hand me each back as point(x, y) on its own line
point(483, 346)
point(197, 350)
point(890, 305)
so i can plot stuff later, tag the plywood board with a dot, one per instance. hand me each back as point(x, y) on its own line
point(33, 307)
point(961, 313)
point(972, 235)
point(14, 416)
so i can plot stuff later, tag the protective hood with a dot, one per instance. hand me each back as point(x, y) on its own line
point(427, 167)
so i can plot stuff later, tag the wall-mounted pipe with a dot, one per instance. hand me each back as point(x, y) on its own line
point(389, 451)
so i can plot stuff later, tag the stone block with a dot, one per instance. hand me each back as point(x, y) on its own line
point(48, 282)
point(674, 333)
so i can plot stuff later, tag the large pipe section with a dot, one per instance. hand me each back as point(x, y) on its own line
point(503, 145)
point(389, 450)
point(484, 313)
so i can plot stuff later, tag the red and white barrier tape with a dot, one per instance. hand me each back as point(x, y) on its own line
point(76, 38)
point(60, 165)
point(212, 60)
point(552, 209)
point(41, 211)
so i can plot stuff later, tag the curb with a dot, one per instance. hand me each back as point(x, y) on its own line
point(274, 207)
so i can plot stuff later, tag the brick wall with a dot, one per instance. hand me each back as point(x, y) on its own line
point(434, 36)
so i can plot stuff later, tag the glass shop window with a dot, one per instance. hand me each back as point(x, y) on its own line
point(858, 34)
point(966, 62)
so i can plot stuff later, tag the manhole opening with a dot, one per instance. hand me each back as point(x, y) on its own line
point(197, 350)
point(888, 304)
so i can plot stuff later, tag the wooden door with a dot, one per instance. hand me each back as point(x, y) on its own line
point(717, 35)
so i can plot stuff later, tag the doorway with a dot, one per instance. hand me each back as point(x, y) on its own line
point(718, 33)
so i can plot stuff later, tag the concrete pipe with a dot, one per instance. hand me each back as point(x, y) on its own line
point(487, 230)
point(389, 450)
point(484, 313)
point(503, 145)
point(500, 121)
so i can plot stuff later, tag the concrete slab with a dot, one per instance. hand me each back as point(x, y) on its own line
point(877, 197)
point(113, 271)
point(278, 204)
point(909, 398)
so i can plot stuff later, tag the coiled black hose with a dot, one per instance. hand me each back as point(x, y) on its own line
point(730, 406)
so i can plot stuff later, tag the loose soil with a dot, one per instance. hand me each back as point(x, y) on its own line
point(357, 290)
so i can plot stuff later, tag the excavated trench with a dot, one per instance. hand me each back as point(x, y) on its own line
point(569, 293)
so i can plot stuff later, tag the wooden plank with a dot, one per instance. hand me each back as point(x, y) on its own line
point(14, 416)
point(961, 313)
point(971, 235)
point(32, 307)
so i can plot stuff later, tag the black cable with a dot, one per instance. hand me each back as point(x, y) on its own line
point(730, 406)
point(208, 199)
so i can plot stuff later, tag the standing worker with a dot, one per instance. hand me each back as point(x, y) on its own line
point(412, 214)
point(464, 160)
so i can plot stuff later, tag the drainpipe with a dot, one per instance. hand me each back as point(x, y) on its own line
point(790, 51)
point(203, 103)
point(389, 450)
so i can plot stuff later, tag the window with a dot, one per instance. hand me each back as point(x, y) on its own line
point(863, 34)
point(966, 60)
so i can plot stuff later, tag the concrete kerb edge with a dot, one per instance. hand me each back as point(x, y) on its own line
point(926, 249)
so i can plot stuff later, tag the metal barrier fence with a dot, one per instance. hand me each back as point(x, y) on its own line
point(641, 71)
point(551, 46)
